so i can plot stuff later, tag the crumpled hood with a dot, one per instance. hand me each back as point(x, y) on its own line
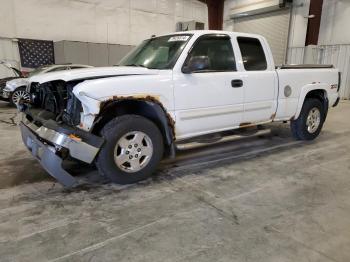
point(149, 82)
point(15, 83)
point(90, 73)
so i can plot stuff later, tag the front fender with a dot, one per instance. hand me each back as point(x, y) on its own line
point(91, 105)
point(12, 85)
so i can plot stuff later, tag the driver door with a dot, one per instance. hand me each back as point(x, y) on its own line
point(209, 99)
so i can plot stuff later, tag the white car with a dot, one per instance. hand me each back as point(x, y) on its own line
point(15, 88)
point(8, 71)
point(169, 90)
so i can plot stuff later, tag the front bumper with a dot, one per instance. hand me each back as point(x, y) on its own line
point(47, 157)
point(49, 146)
point(6, 94)
point(4, 99)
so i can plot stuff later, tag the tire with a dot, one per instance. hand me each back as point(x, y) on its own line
point(18, 94)
point(307, 127)
point(119, 134)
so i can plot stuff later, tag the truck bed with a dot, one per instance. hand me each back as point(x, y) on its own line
point(295, 81)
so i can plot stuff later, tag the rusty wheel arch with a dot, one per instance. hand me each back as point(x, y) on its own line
point(147, 106)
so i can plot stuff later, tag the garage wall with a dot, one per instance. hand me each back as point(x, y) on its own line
point(95, 54)
point(274, 26)
point(335, 16)
point(8, 52)
point(298, 24)
point(9, 49)
point(334, 23)
point(334, 40)
point(124, 22)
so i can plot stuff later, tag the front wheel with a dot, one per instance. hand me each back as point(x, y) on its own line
point(132, 151)
point(310, 121)
point(18, 95)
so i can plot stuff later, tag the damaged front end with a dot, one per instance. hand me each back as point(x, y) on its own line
point(57, 100)
point(49, 128)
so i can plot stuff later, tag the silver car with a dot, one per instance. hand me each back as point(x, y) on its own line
point(15, 90)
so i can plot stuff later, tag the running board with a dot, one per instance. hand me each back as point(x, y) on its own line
point(193, 145)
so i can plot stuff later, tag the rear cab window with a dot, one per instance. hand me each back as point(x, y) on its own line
point(253, 54)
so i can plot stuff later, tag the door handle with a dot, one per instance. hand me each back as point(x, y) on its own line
point(236, 83)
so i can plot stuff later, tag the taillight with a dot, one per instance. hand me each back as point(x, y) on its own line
point(339, 81)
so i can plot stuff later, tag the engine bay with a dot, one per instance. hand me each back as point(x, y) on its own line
point(56, 98)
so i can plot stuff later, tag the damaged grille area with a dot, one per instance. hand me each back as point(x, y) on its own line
point(56, 98)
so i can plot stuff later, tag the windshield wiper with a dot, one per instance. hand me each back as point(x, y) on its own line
point(137, 65)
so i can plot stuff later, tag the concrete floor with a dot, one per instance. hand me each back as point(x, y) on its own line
point(263, 199)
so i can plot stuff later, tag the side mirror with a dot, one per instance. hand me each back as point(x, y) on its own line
point(195, 64)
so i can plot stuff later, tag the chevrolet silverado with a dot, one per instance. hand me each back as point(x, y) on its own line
point(168, 90)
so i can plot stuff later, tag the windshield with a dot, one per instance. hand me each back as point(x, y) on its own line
point(9, 71)
point(38, 70)
point(16, 72)
point(157, 53)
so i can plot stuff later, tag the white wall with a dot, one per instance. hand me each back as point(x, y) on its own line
point(298, 27)
point(335, 22)
point(298, 22)
point(8, 53)
point(101, 21)
point(334, 38)
point(228, 5)
point(8, 50)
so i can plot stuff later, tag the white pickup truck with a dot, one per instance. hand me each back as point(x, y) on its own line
point(169, 89)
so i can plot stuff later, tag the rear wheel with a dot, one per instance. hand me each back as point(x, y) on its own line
point(310, 121)
point(132, 151)
point(18, 95)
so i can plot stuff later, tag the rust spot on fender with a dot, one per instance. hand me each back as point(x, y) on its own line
point(334, 86)
point(273, 116)
point(147, 98)
point(247, 124)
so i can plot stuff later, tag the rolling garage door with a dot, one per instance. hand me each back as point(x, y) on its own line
point(274, 26)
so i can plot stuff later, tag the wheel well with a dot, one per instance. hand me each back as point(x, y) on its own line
point(20, 87)
point(151, 110)
point(321, 95)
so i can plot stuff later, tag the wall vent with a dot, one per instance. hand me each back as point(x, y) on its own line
point(190, 25)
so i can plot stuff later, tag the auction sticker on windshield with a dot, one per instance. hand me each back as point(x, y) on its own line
point(182, 38)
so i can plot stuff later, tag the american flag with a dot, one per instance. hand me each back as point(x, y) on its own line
point(35, 53)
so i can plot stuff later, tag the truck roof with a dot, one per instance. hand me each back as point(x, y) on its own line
point(205, 32)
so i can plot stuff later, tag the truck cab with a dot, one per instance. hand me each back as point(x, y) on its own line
point(237, 80)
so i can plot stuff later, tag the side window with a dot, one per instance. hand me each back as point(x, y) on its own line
point(252, 54)
point(218, 50)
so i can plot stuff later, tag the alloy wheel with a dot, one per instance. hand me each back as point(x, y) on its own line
point(313, 120)
point(19, 95)
point(133, 151)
